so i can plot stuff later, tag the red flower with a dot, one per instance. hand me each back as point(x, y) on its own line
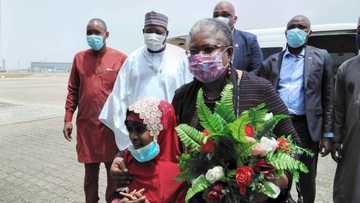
point(205, 132)
point(217, 187)
point(243, 178)
point(263, 167)
point(283, 144)
point(208, 147)
point(249, 130)
point(216, 192)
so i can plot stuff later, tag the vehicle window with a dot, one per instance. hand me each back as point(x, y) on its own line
point(339, 58)
point(340, 46)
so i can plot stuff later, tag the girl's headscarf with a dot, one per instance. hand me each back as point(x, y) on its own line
point(158, 176)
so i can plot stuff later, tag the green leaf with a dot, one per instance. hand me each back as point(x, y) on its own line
point(184, 164)
point(225, 113)
point(296, 176)
point(203, 112)
point(225, 107)
point(284, 162)
point(268, 127)
point(257, 113)
point(198, 185)
point(184, 159)
point(190, 137)
point(208, 120)
point(270, 190)
point(237, 128)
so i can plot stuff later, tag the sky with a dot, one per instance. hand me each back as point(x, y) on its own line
point(54, 31)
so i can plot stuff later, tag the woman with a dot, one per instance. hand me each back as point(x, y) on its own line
point(152, 158)
point(210, 52)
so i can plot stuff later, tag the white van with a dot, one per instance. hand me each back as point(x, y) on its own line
point(338, 39)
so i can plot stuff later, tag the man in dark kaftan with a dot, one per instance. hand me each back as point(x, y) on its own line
point(347, 126)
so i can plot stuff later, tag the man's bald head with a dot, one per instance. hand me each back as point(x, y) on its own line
point(225, 5)
point(97, 26)
point(98, 22)
point(300, 21)
point(225, 9)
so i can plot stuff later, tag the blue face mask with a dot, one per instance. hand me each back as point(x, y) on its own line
point(296, 37)
point(96, 42)
point(147, 153)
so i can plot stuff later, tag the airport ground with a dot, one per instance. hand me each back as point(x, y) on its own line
point(38, 165)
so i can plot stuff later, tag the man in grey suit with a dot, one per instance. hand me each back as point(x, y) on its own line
point(304, 78)
point(247, 53)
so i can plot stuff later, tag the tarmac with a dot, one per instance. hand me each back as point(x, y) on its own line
point(39, 165)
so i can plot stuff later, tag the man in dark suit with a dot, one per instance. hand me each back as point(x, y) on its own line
point(303, 77)
point(247, 53)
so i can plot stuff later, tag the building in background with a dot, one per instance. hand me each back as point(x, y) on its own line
point(50, 67)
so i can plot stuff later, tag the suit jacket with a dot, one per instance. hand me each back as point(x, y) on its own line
point(318, 87)
point(247, 53)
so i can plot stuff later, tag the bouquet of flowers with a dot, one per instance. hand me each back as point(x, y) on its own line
point(231, 159)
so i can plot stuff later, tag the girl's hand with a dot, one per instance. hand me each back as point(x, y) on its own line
point(135, 196)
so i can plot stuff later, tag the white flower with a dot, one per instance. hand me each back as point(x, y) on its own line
point(268, 144)
point(214, 174)
point(268, 116)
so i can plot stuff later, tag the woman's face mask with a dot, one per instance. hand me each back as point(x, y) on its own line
point(207, 67)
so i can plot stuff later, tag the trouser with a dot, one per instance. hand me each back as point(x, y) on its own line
point(91, 182)
point(306, 187)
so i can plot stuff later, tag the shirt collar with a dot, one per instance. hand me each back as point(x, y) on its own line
point(287, 53)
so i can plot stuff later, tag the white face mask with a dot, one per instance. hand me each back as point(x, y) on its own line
point(153, 41)
point(225, 20)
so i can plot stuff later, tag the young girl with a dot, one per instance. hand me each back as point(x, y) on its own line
point(152, 158)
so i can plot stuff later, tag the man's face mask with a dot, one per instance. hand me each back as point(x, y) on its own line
point(96, 42)
point(153, 41)
point(225, 20)
point(207, 67)
point(296, 37)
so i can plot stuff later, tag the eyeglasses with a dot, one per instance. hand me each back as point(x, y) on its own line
point(207, 49)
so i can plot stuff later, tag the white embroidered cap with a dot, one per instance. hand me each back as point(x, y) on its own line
point(149, 112)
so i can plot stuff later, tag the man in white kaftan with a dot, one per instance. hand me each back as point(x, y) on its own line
point(155, 70)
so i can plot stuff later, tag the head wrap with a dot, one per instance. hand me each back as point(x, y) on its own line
point(164, 167)
point(148, 111)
